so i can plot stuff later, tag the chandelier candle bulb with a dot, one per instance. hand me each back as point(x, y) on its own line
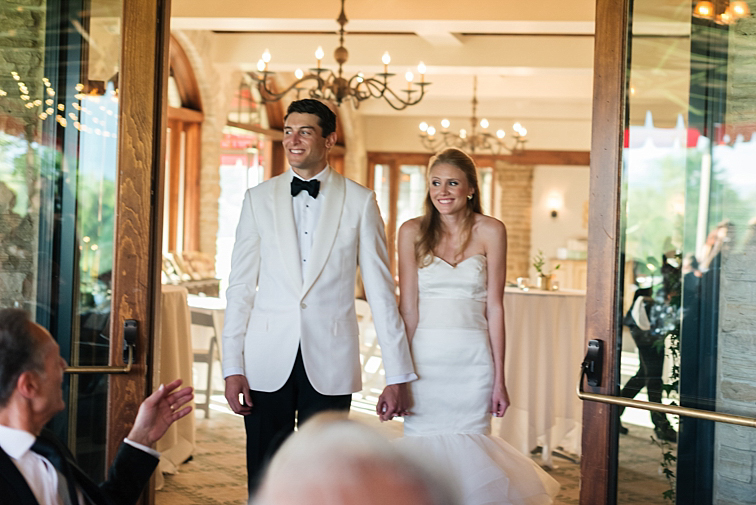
point(261, 66)
point(386, 59)
point(423, 126)
point(298, 73)
point(319, 55)
point(431, 131)
point(484, 123)
point(421, 71)
point(410, 77)
point(445, 124)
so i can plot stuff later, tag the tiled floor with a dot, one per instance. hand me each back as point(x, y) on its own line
point(216, 475)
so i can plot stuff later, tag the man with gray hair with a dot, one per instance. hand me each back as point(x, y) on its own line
point(35, 468)
point(336, 461)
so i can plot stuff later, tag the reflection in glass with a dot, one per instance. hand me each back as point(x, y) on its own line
point(688, 250)
point(58, 140)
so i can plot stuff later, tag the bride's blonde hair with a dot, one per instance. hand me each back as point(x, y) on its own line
point(431, 227)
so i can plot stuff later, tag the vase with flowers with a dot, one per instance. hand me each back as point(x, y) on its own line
point(544, 276)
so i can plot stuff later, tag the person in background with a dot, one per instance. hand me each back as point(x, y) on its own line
point(651, 319)
point(35, 467)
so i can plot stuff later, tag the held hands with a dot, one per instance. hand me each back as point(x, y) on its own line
point(237, 385)
point(499, 401)
point(158, 411)
point(394, 401)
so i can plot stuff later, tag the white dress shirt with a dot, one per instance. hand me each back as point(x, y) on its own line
point(39, 473)
point(306, 213)
point(41, 476)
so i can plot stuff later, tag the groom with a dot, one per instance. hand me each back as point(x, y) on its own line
point(290, 339)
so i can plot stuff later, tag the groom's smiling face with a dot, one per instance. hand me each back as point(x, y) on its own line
point(306, 148)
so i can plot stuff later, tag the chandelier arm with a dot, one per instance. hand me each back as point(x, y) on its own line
point(272, 96)
point(380, 89)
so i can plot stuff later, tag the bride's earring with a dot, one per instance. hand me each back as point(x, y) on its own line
point(469, 197)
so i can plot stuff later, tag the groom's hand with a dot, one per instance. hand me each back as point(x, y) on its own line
point(237, 385)
point(393, 402)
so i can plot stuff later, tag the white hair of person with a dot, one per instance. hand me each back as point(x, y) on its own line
point(336, 461)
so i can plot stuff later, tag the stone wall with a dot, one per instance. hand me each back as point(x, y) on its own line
point(513, 203)
point(735, 450)
point(21, 51)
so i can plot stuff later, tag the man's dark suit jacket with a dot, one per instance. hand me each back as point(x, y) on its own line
point(127, 477)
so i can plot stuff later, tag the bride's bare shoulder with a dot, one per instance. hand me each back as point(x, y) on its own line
point(410, 226)
point(490, 226)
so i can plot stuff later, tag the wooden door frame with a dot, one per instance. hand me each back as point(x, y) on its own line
point(138, 219)
point(598, 469)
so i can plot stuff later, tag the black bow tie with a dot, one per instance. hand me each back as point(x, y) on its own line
point(312, 186)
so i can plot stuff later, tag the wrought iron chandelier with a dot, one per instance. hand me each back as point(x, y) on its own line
point(327, 85)
point(722, 12)
point(473, 141)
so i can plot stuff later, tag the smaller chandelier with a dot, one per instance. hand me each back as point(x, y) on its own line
point(473, 141)
point(327, 85)
point(722, 12)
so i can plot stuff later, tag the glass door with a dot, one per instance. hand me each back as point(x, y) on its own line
point(680, 345)
point(67, 221)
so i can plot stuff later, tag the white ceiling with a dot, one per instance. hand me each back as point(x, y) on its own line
point(533, 59)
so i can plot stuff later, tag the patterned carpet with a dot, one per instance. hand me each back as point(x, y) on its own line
point(216, 475)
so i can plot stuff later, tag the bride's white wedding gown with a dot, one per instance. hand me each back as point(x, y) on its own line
point(451, 410)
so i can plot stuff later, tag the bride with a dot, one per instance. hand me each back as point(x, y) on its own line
point(452, 270)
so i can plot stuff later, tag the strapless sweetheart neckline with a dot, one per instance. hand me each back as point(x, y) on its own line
point(455, 265)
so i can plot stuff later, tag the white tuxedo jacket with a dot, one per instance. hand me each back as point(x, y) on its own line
point(271, 311)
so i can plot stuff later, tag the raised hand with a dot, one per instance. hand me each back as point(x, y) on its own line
point(158, 411)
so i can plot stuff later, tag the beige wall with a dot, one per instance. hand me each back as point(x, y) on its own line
point(549, 233)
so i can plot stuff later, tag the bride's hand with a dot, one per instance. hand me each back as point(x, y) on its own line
point(499, 401)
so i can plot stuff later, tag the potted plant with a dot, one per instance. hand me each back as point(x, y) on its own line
point(544, 277)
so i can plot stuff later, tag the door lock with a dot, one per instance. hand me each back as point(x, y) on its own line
point(593, 362)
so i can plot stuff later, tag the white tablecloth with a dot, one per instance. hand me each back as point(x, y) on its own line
point(173, 360)
point(216, 307)
point(545, 346)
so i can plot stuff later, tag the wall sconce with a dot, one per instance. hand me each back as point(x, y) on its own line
point(555, 204)
point(723, 12)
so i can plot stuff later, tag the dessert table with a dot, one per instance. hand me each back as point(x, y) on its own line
point(545, 344)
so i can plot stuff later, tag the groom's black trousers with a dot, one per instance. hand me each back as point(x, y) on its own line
point(273, 417)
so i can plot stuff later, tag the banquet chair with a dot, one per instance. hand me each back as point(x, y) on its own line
point(205, 350)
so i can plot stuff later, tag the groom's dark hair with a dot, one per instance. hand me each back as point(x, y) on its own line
point(326, 117)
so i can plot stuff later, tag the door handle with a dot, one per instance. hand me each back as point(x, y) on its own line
point(591, 361)
point(130, 332)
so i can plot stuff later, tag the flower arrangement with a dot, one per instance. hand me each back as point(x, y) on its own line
point(539, 263)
